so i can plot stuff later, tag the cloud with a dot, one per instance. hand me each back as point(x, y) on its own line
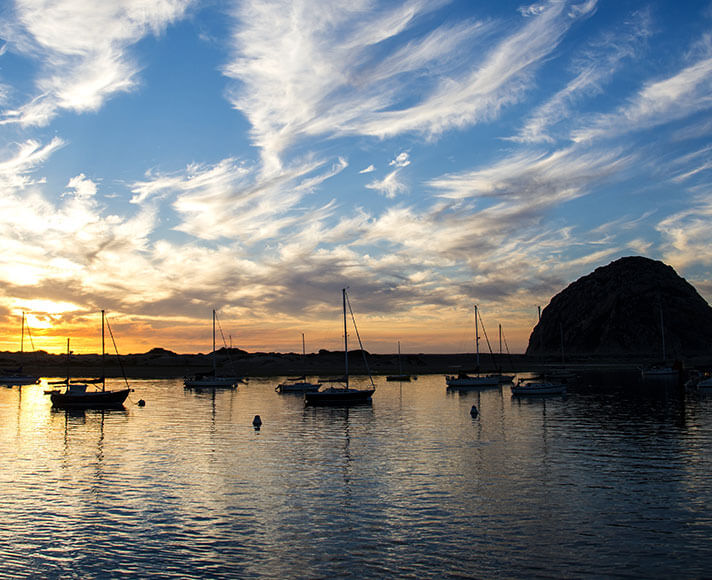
point(657, 103)
point(595, 67)
point(82, 187)
point(534, 179)
point(302, 76)
point(81, 49)
point(402, 160)
point(229, 200)
point(15, 171)
point(686, 234)
point(390, 185)
point(480, 93)
point(369, 169)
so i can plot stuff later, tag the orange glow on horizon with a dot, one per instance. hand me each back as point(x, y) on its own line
point(453, 333)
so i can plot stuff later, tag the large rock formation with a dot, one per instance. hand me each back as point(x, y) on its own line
point(619, 308)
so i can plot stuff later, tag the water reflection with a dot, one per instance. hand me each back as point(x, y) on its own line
point(612, 477)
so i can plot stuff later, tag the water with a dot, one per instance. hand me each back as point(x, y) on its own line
point(600, 483)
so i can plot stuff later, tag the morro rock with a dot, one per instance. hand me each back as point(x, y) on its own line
point(634, 305)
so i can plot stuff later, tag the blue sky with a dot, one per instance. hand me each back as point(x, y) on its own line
point(161, 158)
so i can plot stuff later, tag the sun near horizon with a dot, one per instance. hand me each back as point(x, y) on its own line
point(48, 330)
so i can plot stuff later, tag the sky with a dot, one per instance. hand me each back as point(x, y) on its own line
point(163, 158)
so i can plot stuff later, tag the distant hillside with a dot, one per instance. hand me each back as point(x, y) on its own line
point(617, 310)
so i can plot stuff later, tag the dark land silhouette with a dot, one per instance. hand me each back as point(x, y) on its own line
point(633, 306)
point(159, 363)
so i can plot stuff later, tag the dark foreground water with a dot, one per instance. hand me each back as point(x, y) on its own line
point(596, 484)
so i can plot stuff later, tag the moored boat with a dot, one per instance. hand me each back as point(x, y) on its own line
point(659, 372)
point(17, 376)
point(465, 380)
point(298, 384)
point(79, 395)
point(339, 396)
point(344, 395)
point(663, 370)
point(210, 379)
point(705, 384)
point(528, 387)
point(401, 376)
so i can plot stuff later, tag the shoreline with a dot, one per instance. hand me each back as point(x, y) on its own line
point(159, 364)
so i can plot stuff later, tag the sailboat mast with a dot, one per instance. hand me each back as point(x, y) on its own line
point(477, 340)
point(400, 364)
point(22, 335)
point(69, 358)
point(103, 350)
point(214, 363)
point(346, 341)
point(662, 330)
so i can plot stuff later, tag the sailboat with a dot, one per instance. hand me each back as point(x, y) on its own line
point(464, 380)
point(78, 395)
point(503, 379)
point(342, 395)
point(298, 384)
point(540, 386)
point(660, 371)
point(400, 376)
point(210, 379)
point(16, 376)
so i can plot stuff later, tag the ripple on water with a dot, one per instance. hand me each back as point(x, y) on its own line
point(596, 484)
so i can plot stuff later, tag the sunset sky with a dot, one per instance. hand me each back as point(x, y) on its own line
point(161, 158)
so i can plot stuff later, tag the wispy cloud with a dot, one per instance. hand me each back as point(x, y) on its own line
point(15, 171)
point(231, 201)
point(657, 103)
point(390, 185)
point(82, 50)
point(480, 93)
point(535, 179)
point(595, 67)
point(302, 76)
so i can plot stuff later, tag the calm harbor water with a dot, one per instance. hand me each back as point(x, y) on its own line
point(604, 482)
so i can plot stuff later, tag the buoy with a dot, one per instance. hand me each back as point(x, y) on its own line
point(474, 412)
point(257, 422)
point(141, 403)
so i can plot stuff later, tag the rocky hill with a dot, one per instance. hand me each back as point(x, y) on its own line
point(618, 309)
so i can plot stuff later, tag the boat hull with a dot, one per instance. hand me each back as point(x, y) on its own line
point(297, 387)
point(660, 372)
point(90, 399)
point(705, 384)
point(472, 382)
point(210, 383)
point(19, 380)
point(339, 397)
point(534, 389)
